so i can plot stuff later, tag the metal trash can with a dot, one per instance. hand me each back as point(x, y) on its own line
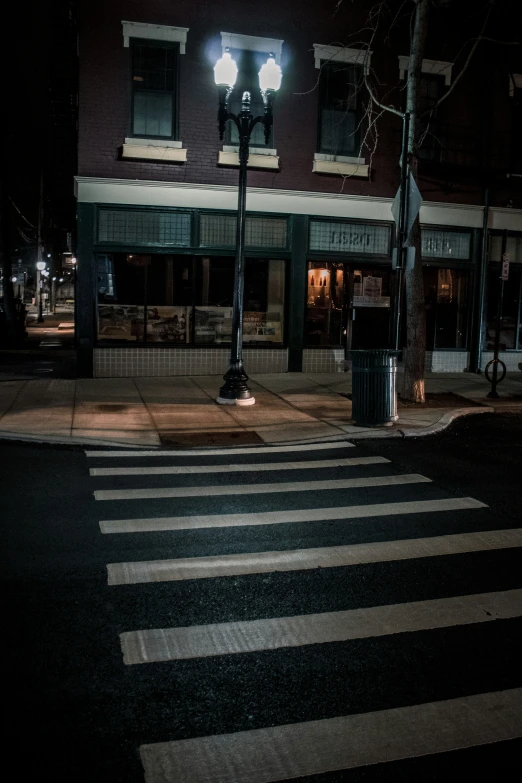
point(374, 393)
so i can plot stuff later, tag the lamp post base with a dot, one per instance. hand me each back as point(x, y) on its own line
point(235, 390)
point(241, 402)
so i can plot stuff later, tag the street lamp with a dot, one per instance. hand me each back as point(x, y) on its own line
point(235, 390)
point(40, 266)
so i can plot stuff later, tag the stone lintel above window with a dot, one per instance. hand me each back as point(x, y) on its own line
point(155, 32)
point(434, 67)
point(252, 43)
point(342, 54)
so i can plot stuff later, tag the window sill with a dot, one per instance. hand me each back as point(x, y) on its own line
point(150, 149)
point(256, 160)
point(340, 166)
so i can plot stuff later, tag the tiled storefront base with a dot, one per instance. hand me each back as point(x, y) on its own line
point(148, 362)
point(323, 360)
point(143, 362)
point(447, 361)
point(510, 358)
point(332, 360)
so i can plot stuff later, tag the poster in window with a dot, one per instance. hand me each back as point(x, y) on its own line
point(368, 293)
point(213, 324)
point(262, 327)
point(372, 287)
point(118, 322)
point(167, 325)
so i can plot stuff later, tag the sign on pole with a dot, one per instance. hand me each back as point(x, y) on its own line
point(414, 202)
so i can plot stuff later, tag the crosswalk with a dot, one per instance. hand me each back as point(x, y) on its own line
point(342, 614)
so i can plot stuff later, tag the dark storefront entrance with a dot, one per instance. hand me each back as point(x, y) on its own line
point(348, 305)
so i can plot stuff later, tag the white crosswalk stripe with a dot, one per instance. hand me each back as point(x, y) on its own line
point(145, 571)
point(346, 741)
point(156, 524)
point(180, 470)
point(296, 750)
point(172, 644)
point(254, 450)
point(257, 489)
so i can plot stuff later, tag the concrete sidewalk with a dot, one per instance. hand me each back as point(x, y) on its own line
point(181, 411)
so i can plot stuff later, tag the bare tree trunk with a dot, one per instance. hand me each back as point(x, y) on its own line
point(413, 382)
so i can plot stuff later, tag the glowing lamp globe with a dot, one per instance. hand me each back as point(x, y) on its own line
point(270, 75)
point(225, 70)
point(40, 265)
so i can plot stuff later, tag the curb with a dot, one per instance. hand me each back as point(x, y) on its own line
point(56, 440)
point(446, 420)
point(410, 432)
point(418, 432)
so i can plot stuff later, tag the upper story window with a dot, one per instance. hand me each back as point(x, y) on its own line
point(430, 90)
point(342, 72)
point(249, 64)
point(154, 78)
point(437, 142)
point(340, 109)
point(154, 66)
point(250, 52)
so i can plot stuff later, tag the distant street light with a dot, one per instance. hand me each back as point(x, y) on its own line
point(235, 390)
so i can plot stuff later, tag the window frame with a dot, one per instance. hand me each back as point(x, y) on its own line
point(255, 100)
point(196, 255)
point(160, 44)
point(355, 152)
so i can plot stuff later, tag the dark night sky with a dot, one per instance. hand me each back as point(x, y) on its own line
point(28, 113)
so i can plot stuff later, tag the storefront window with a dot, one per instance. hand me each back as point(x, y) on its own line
point(181, 299)
point(121, 296)
point(446, 298)
point(511, 326)
point(263, 312)
point(325, 302)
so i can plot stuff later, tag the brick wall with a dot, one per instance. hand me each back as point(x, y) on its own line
point(104, 94)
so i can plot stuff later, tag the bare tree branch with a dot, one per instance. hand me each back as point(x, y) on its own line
point(502, 43)
point(378, 103)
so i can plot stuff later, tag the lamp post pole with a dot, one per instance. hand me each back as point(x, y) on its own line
point(40, 266)
point(39, 295)
point(235, 390)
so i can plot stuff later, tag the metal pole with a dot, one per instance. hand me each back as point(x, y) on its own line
point(401, 236)
point(483, 269)
point(493, 393)
point(39, 288)
point(40, 252)
point(235, 390)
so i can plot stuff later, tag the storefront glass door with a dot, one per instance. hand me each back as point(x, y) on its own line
point(368, 320)
point(347, 305)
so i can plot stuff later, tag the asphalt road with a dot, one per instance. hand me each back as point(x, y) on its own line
point(77, 712)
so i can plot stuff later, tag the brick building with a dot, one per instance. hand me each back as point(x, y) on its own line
point(157, 190)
